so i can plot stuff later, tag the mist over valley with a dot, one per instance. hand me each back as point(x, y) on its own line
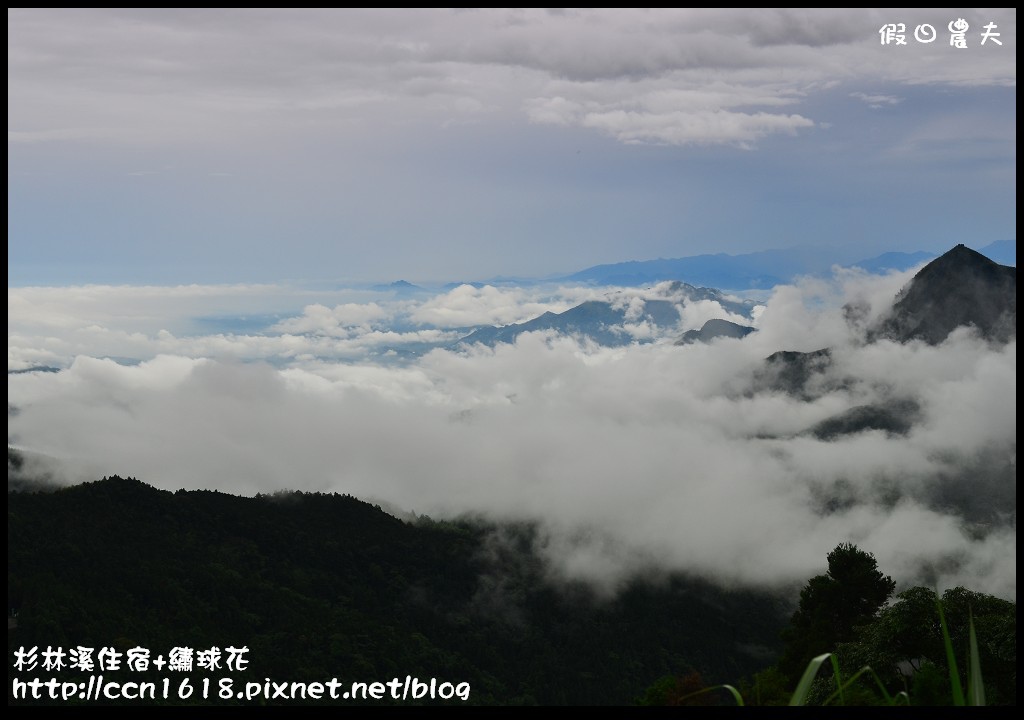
point(739, 459)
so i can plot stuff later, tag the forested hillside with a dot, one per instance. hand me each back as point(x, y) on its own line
point(320, 586)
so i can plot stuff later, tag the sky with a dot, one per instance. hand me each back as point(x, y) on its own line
point(200, 202)
point(238, 146)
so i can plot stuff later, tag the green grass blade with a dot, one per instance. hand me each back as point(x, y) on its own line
point(804, 686)
point(954, 673)
point(733, 691)
point(975, 685)
point(867, 669)
point(839, 678)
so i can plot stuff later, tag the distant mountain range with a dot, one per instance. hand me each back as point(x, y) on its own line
point(760, 270)
point(963, 287)
point(400, 288)
point(619, 320)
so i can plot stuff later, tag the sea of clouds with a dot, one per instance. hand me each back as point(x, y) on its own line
point(639, 459)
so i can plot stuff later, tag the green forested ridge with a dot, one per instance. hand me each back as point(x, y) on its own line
point(323, 585)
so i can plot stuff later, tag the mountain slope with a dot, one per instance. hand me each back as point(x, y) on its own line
point(599, 321)
point(962, 287)
point(320, 586)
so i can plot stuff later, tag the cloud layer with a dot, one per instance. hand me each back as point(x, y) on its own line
point(674, 76)
point(639, 459)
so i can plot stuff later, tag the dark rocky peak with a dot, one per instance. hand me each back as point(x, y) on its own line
point(962, 287)
point(712, 329)
point(801, 374)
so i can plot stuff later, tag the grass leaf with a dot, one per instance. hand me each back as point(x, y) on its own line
point(975, 686)
point(733, 691)
point(954, 673)
point(804, 686)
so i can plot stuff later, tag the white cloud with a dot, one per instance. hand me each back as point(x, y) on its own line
point(128, 76)
point(681, 128)
point(319, 319)
point(646, 456)
point(877, 101)
point(693, 315)
point(467, 305)
point(679, 111)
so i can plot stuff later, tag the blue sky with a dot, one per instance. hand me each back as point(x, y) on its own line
point(181, 146)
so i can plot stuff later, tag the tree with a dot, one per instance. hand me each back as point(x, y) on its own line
point(679, 690)
point(905, 639)
point(832, 605)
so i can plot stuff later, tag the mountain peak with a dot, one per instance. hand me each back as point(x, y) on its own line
point(960, 287)
point(400, 287)
point(713, 329)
